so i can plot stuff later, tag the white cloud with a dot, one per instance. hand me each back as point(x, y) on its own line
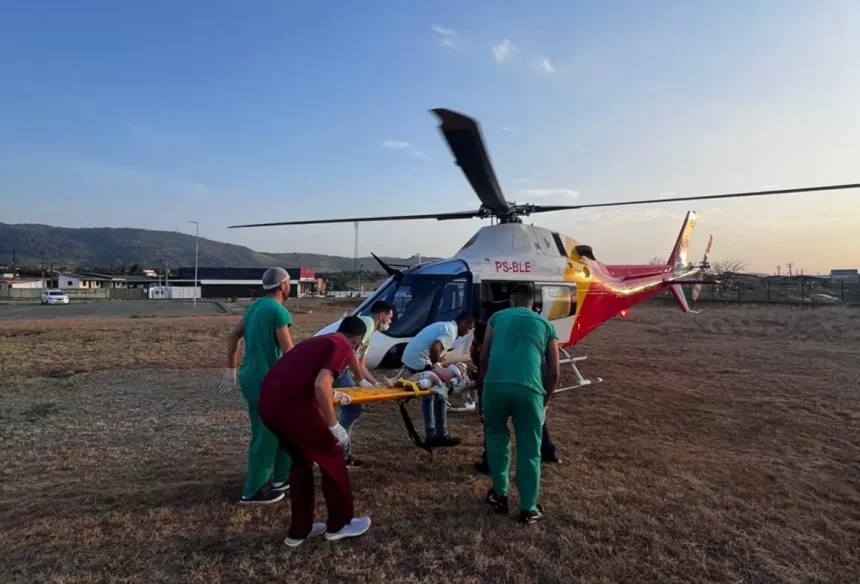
point(508, 128)
point(544, 193)
point(406, 146)
point(395, 144)
point(504, 50)
point(524, 180)
point(158, 138)
point(544, 66)
point(447, 37)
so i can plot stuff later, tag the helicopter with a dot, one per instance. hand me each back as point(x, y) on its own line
point(572, 289)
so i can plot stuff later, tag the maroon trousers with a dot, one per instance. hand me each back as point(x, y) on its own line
point(303, 432)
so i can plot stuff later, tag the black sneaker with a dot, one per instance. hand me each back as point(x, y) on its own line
point(265, 496)
point(531, 517)
point(499, 504)
point(443, 441)
point(353, 462)
point(281, 487)
point(554, 459)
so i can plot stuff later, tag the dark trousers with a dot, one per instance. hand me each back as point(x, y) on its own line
point(303, 433)
point(547, 448)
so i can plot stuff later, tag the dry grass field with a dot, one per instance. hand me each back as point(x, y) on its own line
point(723, 447)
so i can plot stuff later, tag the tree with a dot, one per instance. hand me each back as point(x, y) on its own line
point(657, 262)
point(731, 266)
point(725, 269)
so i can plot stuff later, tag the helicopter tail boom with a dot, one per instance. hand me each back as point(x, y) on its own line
point(678, 257)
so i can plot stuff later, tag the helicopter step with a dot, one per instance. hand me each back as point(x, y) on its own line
point(580, 380)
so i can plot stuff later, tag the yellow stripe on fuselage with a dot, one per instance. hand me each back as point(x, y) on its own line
point(576, 271)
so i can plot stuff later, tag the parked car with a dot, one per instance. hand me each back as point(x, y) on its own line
point(54, 297)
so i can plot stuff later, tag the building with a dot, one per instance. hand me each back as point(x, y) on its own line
point(93, 281)
point(845, 275)
point(243, 282)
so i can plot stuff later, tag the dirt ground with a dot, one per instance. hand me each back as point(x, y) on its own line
point(722, 447)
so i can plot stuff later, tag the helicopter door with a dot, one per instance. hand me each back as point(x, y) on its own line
point(453, 298)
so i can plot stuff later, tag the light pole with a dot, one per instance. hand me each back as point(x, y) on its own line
point(196, 255)
point(360, 267)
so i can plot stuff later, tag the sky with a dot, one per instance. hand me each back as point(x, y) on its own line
point(151, 114)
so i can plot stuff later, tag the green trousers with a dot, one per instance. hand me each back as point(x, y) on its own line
point(264, 451)
point(500, 402)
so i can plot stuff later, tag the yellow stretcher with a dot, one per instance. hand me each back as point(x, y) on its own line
point(407, 391)
point(362, 395)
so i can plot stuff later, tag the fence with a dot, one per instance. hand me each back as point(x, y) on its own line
point(801, 291)
point(9, 293)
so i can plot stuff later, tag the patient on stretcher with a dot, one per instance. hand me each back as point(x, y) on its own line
point(444, 380)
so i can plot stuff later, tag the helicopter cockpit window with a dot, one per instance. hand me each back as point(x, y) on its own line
point(443, 269)
point(452, 300)
point(430, 294)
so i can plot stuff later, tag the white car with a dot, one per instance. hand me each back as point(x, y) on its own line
point(54, 297)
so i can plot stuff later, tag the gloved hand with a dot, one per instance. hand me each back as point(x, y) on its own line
point(341, 397)
point(228, 381)
point(364, 383)
point(340, 434)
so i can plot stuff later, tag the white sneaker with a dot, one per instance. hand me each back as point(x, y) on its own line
point(317, 529)
point(358, 526)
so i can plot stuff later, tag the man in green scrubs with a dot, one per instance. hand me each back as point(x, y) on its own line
point(515, 343)
point(265, 329)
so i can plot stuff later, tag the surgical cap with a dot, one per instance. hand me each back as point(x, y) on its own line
point(274, 277)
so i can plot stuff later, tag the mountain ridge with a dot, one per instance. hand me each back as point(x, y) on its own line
point(110, 247)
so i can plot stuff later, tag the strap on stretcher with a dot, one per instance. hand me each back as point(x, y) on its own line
point(407, 421)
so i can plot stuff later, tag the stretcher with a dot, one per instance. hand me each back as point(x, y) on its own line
point(405, 391)
point(363, 395)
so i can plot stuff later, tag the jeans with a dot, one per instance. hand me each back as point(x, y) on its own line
point(435, 416)
point(349, 413)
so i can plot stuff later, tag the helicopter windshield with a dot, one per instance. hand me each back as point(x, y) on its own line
point(430, 294)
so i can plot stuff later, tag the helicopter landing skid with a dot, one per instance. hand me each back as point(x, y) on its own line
point(580, 380)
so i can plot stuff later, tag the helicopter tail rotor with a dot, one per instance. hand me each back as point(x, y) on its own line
point(697, 289)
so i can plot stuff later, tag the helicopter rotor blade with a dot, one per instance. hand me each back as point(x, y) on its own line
point(464, 139)
point(550, 208)
point(437, 216)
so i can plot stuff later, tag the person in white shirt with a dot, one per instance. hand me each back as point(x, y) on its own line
point(425, 352)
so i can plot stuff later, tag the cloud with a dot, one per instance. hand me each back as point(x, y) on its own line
point(395, 144)
point(509, 128)
point(544, 66)
point(447, 37)
point(406, 146)
point(544, 193)
point(156, 138)
point(444, 31)
point(504, 50)
point(523, 180)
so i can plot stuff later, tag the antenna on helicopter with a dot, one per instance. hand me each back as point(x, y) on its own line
point(466, 143)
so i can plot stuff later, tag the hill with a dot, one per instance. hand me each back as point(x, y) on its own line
point(104, 247)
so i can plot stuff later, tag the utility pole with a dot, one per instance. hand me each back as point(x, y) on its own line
point(360, 267)
point(196, 256)
point(41, 253)
point(789, 269)
point(355, 250)
point(778, 271)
